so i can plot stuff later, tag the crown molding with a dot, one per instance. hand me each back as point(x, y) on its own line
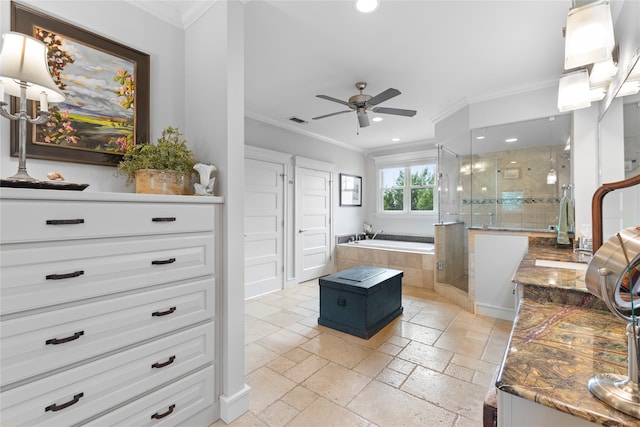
point(161, 10)
point(179, 13)
point(295, 129)
point(194, 10)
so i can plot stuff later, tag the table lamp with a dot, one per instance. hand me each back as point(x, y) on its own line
point(24, 73)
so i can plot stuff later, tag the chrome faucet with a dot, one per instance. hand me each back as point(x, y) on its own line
point(584, 255)
point(374, 236)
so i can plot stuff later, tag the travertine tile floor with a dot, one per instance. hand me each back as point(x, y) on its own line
point(431, 366)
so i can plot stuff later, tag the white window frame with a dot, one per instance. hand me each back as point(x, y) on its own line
point(406, 160)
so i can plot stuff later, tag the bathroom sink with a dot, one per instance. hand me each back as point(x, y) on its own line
point(561, 264)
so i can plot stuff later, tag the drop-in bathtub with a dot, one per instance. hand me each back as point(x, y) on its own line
point(415, 259)
point(397, 245)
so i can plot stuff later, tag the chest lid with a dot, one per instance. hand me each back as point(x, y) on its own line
point(361, 280)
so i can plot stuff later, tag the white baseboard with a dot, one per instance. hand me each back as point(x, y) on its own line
point(493, 311)
point(232, 407)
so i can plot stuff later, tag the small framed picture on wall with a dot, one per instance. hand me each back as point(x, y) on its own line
point(350, 190)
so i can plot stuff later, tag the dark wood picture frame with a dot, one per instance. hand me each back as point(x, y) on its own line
point(350, 190)
point(25, 20)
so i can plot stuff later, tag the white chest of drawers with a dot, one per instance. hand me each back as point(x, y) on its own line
point(107, 308)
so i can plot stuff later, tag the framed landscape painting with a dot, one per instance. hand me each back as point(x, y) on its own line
point(106, 88)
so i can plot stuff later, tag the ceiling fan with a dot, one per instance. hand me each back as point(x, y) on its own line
point(361, 103)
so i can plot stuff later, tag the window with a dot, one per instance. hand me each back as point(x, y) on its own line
point(408, 188)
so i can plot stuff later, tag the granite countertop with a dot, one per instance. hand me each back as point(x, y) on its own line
point(562, 336)
point(530, 274)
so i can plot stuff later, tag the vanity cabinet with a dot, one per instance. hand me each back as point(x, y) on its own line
point(108, 308)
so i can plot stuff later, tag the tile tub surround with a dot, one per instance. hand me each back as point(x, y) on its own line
point(418, 268)
point(345, 238)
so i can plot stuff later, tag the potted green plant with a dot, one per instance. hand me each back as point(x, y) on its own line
point(162, 168)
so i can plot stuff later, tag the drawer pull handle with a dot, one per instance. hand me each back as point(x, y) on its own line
point(157, 416)
point(65, 221)
point(163, 261)
point(64, 276)
point(163, 313)
point(162, 365)
point(342, 302)
point(55, 407)
point(56, 341)
point(164, 219)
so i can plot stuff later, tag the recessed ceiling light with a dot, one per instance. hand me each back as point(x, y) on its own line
point(511, 140)
point(513, 162)
point(480, 137)
point(377, 119)
point(366, 6)
point(395, 139)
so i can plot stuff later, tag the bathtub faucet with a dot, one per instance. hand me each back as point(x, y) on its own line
point(374, 236)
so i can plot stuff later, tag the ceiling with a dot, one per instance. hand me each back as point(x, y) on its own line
point(440, 54)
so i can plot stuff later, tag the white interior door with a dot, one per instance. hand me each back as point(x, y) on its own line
point(263, 227)
point(313, 219)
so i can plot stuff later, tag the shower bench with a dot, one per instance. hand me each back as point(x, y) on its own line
point(360, 300)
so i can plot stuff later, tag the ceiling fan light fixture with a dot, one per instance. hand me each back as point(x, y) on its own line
point(377, 119)
point(367, 6)
point(361, 103)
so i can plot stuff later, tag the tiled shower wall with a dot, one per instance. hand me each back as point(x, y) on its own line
point(509, 189)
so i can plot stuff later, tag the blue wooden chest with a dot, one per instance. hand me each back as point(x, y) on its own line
point(361, 300)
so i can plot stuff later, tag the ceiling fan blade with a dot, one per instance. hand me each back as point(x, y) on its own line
point(363, 119)
point(396, 111)
point(332, 114)
point(381, 97)
point(339, 101)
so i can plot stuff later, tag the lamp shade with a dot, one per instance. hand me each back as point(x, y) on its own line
point(24, 59)
point(589, 35)
point(573, 91)
point(603, 71)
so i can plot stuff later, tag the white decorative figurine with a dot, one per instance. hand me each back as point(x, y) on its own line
point(205, 186)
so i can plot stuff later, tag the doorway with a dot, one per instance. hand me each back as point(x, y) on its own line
point(263, 227)
point(313, 209)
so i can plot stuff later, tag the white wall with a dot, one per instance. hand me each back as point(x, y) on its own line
point(214, 52)
point(541, 102)
point(129, 25)
point(346, 219)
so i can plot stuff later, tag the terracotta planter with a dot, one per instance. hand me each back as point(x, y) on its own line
point(155, 181)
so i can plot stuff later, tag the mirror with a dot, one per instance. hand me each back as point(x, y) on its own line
point(514, 176)
point(631, 123)
point(621, 208)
